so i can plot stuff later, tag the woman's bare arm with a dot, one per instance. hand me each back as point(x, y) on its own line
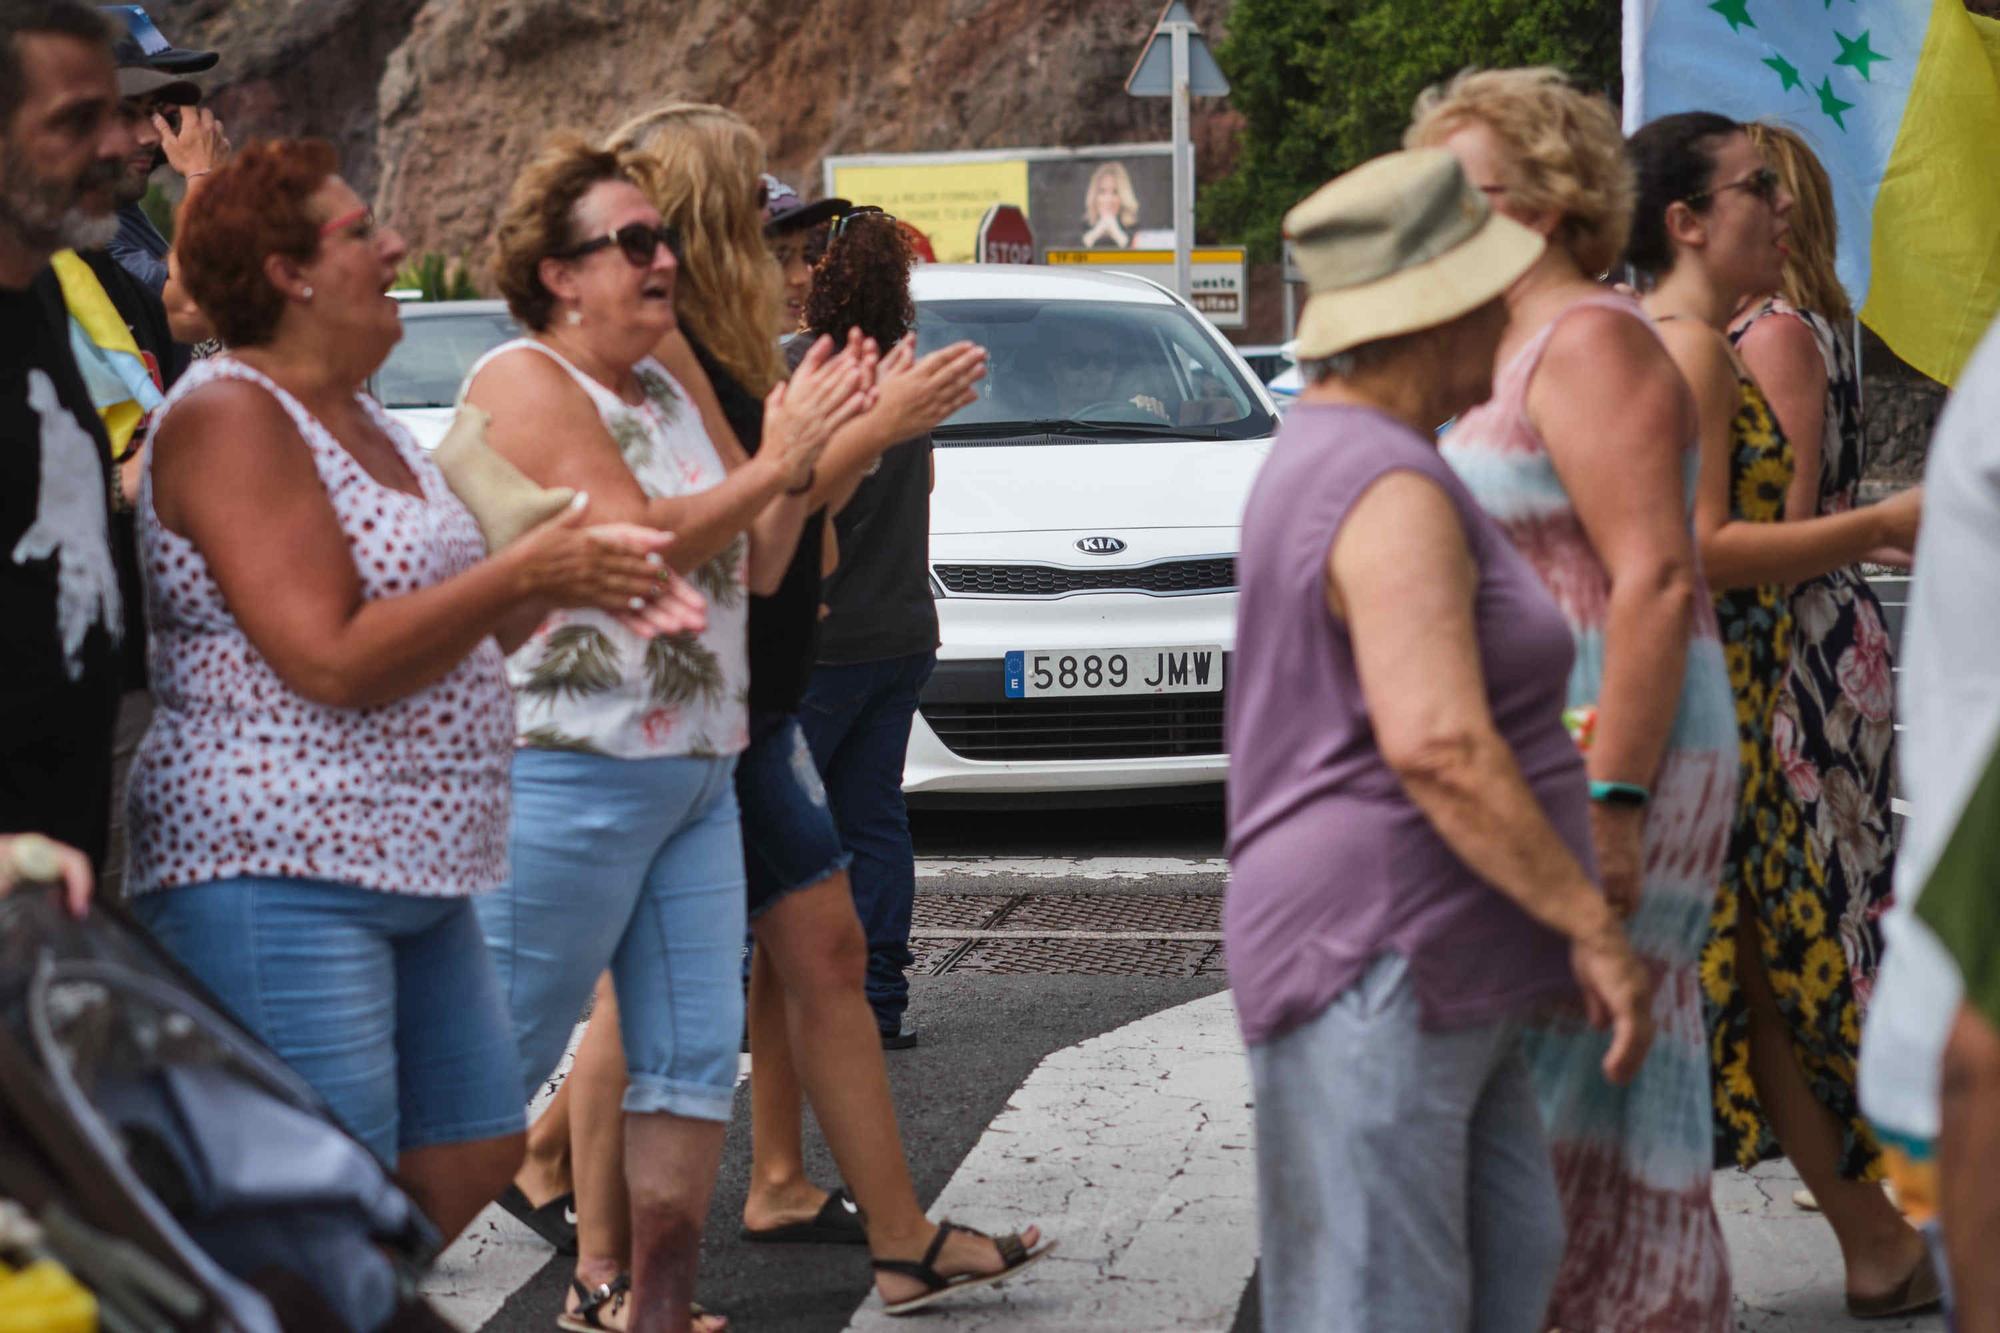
point(1782, 355)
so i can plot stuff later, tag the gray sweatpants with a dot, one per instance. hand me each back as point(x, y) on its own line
point(1403, 1179)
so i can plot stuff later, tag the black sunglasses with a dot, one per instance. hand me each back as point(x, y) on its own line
point(865, 210)
point(638, 241)
point(1763, 183)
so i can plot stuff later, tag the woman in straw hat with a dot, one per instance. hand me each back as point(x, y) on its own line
point(1409, 829)
point(1708, 233)
point(1581, 456)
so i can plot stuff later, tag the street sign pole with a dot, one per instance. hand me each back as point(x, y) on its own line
point(1183, 166)
point(1179, 68)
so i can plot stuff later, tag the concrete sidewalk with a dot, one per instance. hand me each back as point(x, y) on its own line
point(1784, 1260)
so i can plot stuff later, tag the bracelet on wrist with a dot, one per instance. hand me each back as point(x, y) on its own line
point(1629, 795)
point(805, 487)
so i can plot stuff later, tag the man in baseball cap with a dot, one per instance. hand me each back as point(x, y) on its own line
point(163, 108)
point(797, 233)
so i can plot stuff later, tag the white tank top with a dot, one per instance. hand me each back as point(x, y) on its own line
point(584, 681)
point(241, 776)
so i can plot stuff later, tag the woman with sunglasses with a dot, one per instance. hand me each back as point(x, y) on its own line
point(1835, 730)
point(324, 787)
point(625, 849)
point(1708, 233)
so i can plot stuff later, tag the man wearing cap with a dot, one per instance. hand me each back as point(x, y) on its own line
point(163, 109)
point(793, 228)
point(1409, 828)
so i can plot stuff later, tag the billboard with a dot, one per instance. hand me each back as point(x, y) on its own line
point(1112, 197)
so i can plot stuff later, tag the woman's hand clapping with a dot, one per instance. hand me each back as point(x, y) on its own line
point(915, 394)
point(618, 568)
point(826, 392)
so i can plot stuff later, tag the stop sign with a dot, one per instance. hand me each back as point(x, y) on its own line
point(1005, 237)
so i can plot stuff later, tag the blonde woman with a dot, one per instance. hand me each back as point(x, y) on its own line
point(1581, 454)
point(811, 1024)
point(1834, 732)
point(1110, 207)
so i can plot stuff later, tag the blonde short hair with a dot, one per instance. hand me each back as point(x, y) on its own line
point(1813, 245)
point(704, 168)
point(539, 219)
point(1565, 143)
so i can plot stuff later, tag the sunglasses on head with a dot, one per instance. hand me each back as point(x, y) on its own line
point(635, 240)
point(1763, 183)
point(865, 210)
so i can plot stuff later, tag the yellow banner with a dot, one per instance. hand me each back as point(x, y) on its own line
point(943, 200)
point(1226, 254)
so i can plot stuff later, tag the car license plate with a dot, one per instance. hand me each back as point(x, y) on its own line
point(1053, 673)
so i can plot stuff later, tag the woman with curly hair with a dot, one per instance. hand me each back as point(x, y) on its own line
point(808, 1009)
point(1581, 455)
point(1709, 232)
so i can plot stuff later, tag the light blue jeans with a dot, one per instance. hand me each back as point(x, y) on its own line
point(635, 865)
point(1403, 1179)
point(385, 1003)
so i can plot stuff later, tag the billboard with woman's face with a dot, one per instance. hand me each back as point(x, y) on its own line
point(1112, 196)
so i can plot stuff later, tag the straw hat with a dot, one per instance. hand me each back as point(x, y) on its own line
point(1399, 244)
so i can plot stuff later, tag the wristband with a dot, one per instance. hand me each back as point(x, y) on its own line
point(804, 487)
point(1628, 794)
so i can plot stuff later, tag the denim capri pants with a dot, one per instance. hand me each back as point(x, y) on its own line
point(386, 1003)
point(635, 865)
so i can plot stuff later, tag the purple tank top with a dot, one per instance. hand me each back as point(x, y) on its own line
point(1331, 864)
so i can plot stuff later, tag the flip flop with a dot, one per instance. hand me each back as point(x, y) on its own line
point(838, 1222)
point(554, 1221)
point(613, 1295)
point(938, 1287)
point(1920, 1291)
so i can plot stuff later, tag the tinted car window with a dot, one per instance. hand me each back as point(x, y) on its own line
point(1135, 370)
point(429, 365)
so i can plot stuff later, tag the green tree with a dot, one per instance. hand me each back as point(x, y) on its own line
point(438, 278)
point(1324, 85)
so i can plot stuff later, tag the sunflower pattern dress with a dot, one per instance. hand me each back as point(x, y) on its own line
point(1834, 729)
point(1772, 870)
point(1645, 1252)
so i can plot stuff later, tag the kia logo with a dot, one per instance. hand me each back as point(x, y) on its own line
point(1100, 545)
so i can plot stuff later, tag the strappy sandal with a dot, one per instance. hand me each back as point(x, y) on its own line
point(1920, 1291)
point(938, 1287)
point(613, 1294)
point(554, 1221)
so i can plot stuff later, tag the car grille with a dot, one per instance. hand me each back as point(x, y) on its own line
point(1212, 574)
point(1154, 726)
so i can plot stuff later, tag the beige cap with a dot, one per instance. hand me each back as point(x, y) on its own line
point(1399, 244)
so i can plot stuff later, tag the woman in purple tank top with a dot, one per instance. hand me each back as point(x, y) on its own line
point(1409, 838)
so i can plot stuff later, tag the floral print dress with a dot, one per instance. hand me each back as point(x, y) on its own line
point(1833, 731)
point(1773, 871)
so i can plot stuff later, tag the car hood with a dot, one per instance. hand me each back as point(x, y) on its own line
point(1094, 487)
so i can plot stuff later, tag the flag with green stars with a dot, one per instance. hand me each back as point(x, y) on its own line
point(1900, 98)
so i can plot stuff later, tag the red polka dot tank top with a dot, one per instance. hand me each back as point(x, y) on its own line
point(240, 776)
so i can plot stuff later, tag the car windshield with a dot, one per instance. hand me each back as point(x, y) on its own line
point(430, 363)
point(1109, 370)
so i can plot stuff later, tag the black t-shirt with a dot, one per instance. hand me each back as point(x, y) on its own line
point(784, 626)
point(59, 595)
point(878, 597)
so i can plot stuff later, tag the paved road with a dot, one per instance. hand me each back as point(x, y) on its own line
point(1080, 1068)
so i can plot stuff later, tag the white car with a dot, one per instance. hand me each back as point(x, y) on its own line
point(1083, 528)
point(1083, 538)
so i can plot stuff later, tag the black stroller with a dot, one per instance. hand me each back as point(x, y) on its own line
point(172, 1162)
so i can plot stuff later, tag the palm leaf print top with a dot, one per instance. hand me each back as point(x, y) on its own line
point(584, 682)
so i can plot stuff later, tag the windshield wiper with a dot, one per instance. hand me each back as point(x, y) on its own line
point(1006, 430)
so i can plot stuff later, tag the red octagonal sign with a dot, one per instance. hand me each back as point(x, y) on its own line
point(1005, 237)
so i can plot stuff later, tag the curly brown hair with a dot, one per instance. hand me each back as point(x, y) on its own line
point(256, 205)
point(539, 220)
point(863, 281)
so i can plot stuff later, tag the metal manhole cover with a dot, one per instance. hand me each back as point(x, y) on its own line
point(1135, 957)
point(956, 911)
point(1214, 965)
point(929, 953)
point(1117, 911)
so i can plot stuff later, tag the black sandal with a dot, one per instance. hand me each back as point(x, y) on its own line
point(938, 1287)
point(554, 1221)
point(838, 1222)
point(613, 1293)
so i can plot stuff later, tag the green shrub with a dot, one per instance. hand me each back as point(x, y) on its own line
point(158, 206)
point(1324, 85)
point(438, 278)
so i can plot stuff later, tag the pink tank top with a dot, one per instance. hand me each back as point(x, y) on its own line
point(241, 776)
